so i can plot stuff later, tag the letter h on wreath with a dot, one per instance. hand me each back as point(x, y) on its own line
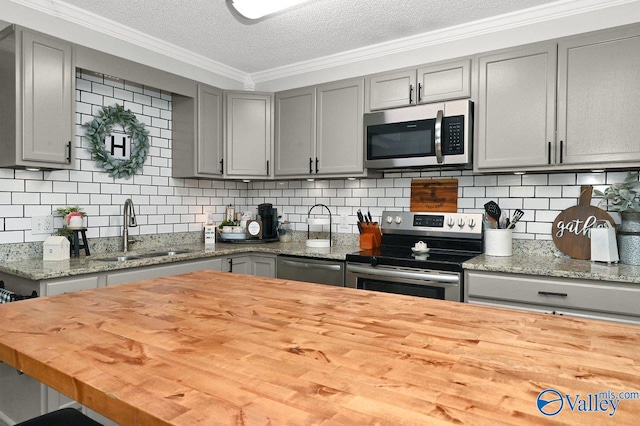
point(119, 145)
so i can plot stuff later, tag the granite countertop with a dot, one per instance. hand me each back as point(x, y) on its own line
point(549, 265)
point(37, 269)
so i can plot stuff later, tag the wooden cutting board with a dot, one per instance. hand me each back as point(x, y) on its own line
point(570, 229)
point(434, 195)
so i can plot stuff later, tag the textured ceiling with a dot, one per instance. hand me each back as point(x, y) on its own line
point(317, 29)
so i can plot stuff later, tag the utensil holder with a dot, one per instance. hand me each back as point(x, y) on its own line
point(370, 237)
point(498, 242)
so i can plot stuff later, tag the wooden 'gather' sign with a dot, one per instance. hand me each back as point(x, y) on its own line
point(571, 228)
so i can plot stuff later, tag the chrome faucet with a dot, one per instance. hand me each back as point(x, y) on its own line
point(128, 220)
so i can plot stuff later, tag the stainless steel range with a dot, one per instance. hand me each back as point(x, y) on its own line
point(398, 267)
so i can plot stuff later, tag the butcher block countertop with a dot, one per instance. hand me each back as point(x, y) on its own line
point(212, 348)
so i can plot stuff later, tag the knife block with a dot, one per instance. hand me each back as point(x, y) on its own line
point(370, 237)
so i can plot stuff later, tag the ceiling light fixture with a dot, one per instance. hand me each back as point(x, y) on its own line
point(256, 9)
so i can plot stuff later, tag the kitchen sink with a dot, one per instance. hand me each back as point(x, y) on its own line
point(124, 258)
point(163, 253)
point(117, 258)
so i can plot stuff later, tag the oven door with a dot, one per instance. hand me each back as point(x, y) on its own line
point(407, 281)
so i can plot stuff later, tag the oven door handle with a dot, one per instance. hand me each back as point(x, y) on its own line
point(422, 276)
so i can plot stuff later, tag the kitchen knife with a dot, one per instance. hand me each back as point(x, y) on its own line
point(360, 218)
point(369, 215)
point(359, 227)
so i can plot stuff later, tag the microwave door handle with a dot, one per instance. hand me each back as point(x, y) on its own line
point(438, 137)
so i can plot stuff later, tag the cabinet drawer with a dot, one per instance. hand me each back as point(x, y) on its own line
point(70, 285)
point(585, 295)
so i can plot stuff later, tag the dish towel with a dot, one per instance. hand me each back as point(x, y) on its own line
point(7, 296)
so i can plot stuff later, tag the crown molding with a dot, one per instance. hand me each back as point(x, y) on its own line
point(496, 24)
point(70, 13)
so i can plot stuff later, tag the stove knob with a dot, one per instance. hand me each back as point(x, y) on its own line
point(374, 261)
point(472, 223)
point(451, 222)
point(398, 220)
point(461, 223)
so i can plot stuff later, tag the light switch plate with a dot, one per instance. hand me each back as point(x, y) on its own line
point(42, 224)
point(344, 226)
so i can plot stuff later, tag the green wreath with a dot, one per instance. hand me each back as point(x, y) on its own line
point(101, 127)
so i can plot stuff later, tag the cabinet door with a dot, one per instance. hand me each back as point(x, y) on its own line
point(392, 90)
point(67, 285)
point(249, 124)
point(516, 109)
point(264, 266)
point(340, 140)
point(295, 132)
point(598, 102)
point(238, 264)
point(441, 82)
point(48, 88)
point(145, 273)
point(209, 141)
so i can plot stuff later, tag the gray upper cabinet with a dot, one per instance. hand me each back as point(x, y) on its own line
point(37, 112)
point(444, 81)
point(516, 108)
point(599, 98)
point(319, 131)
point(248, 135)
point(197, 134)
point(432, 83)
point(392, 90)
point(567, 105)
point(339, 130)
point(295, 132)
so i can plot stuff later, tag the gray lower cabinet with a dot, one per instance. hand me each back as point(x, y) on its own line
point(197, 134)
point(431, 83)
point(565, 105)
point(150, 272)
point(319, 131)
point(37, 112)
point(613, 301)
point(258, 264)
point(248, 134)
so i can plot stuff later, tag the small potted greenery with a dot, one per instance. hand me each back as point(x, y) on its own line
point(71, 212)
point(624, 197)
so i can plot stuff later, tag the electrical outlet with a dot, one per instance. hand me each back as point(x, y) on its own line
point(42, 224)
point(344, 226)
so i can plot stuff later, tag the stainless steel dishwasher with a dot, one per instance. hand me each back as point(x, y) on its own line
point(319, 271)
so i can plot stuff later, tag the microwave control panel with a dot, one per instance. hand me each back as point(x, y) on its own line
point(453, 135)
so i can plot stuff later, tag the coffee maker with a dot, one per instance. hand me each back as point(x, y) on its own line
point(269, 217)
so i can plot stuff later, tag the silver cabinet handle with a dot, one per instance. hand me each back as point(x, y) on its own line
point(552, 293)
point(422, 276)
point(438, 137)
point(311, 265)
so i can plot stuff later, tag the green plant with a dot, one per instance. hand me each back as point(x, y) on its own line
point(63, 211)
point(65, 232)
point(623, 196)
point(225, 223)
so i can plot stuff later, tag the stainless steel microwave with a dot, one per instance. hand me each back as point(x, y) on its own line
point(439, 134)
